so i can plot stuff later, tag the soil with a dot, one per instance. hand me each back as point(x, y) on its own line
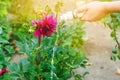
point(98, 49)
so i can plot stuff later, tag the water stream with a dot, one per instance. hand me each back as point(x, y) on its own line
point(53, 54)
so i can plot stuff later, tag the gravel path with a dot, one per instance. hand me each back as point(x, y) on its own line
point(98, 49)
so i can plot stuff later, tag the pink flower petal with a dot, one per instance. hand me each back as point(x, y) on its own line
point(46, 26)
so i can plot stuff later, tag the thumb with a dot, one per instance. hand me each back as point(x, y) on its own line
point(81, 9)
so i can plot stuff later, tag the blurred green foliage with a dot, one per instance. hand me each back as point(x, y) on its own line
point(4, 6)
point(22, 9)
point(22, 12)
point(113, 21)
point(69, 53)
point(6, 47)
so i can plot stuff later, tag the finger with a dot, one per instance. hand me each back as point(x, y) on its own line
point(80, 12)
point(81, 15)
point(81, 9)
point(87, 16)
point(88, 19)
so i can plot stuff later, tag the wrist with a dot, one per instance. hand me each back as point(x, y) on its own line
point(112, 7)
point(107, 7)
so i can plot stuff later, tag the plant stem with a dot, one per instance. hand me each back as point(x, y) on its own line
point(39, 40)
point(39, 77)
point(38, 57)
point(116, 38)
point(38, 54)
point(117, 42)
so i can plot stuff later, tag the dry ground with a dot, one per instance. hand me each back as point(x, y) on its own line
point(98, 49)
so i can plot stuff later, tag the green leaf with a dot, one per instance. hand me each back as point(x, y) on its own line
point(1, 30)
point(46, 75)
point(14, 76)
point(14, 67)
point(86, 73)
point(118, 56)
point(1, 50)
point(66, 74)
point(10, 49)
point(1, 66)
point(78, 77)
point(3, 41)
point(114, 51)
point(24, 47)
point(2, 58)
point(112, 34)
point(113, 58)
point(72, 66)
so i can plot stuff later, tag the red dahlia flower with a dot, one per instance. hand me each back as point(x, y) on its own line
point(46, 26)
point(3, 70)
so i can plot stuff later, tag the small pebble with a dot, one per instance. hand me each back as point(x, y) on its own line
point(117, 72)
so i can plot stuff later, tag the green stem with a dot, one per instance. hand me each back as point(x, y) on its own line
point(38, 57)
point(39, 40)
point(116, 38)
point(39, 77)
point(117, 42)
point(38, 54)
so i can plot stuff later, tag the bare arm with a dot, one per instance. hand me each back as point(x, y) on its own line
point(113, 6)
point(94, 11)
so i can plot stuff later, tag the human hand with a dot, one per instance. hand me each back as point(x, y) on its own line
point(93, 11)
